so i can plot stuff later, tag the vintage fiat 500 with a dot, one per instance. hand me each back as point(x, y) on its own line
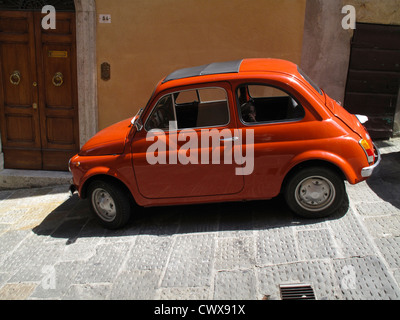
point(229, 131)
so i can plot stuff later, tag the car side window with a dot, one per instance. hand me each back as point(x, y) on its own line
point(194, 108)
point(206, 107)
point(265, 104)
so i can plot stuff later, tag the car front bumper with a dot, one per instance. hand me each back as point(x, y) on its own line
point(367, 171)
point(72, 189)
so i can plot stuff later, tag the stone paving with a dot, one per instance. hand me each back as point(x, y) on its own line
point(51, 248)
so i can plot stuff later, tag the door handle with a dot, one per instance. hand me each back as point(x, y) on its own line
point(34, 105)
point(229, 139)
point(15, 77)
point(58, 79)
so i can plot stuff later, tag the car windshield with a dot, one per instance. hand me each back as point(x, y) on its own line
point(312, 83)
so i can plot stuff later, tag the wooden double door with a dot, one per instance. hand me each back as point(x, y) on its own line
point(38, 91)
point(374, 76)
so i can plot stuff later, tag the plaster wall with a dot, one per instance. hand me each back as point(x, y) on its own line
point(146, 40)
point(326, 45)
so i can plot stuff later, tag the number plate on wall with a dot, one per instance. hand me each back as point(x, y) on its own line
point(104, 18)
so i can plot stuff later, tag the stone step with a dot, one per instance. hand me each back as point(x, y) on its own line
point(17, 179)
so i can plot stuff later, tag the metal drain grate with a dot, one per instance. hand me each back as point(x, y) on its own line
point(297, 291)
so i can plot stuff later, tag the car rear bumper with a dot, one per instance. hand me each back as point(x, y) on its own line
point(367, 171)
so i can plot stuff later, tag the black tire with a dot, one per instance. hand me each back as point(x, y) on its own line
point(315, 192)
point(110, 204)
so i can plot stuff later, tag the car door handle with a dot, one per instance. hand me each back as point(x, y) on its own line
point(229, 139)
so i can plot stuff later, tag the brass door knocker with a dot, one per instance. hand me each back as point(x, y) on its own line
point(58, 79)
point(15, 77)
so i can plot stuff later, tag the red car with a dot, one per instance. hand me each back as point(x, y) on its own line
point(230, 131)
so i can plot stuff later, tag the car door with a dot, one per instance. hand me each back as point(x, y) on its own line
point(280, 125)
point(186, 146)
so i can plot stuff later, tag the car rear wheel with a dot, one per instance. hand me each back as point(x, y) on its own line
point(110, 204)
point(315, 192)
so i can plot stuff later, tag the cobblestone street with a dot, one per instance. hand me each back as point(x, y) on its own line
point(51, 248)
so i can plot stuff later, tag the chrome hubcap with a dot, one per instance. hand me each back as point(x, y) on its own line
point(315, 193)
point(104, 205)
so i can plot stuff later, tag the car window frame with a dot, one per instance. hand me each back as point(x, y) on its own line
point(250, 124)
point(309, 81)
point(174, 109)
point(153, 110)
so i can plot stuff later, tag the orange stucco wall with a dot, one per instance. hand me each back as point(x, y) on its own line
point(148, 39)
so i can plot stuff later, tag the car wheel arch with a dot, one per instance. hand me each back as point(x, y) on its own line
point(313, 163)
point(105, 178)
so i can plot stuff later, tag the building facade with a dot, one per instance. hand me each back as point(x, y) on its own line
point(103, 59)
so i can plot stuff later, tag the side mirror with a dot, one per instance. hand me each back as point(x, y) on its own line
point(137, 121)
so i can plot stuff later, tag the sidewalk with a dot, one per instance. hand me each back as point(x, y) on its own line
point(51, 248)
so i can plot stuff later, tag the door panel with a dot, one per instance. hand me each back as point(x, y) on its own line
point(57, 76)
point(15, 58)
point(23, 158)
point(55, 159)
point(59, 102)
point(199, 177)
point(20, 129)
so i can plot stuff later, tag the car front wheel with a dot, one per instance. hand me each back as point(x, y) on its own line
point(110, 204)
point(315, 192)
